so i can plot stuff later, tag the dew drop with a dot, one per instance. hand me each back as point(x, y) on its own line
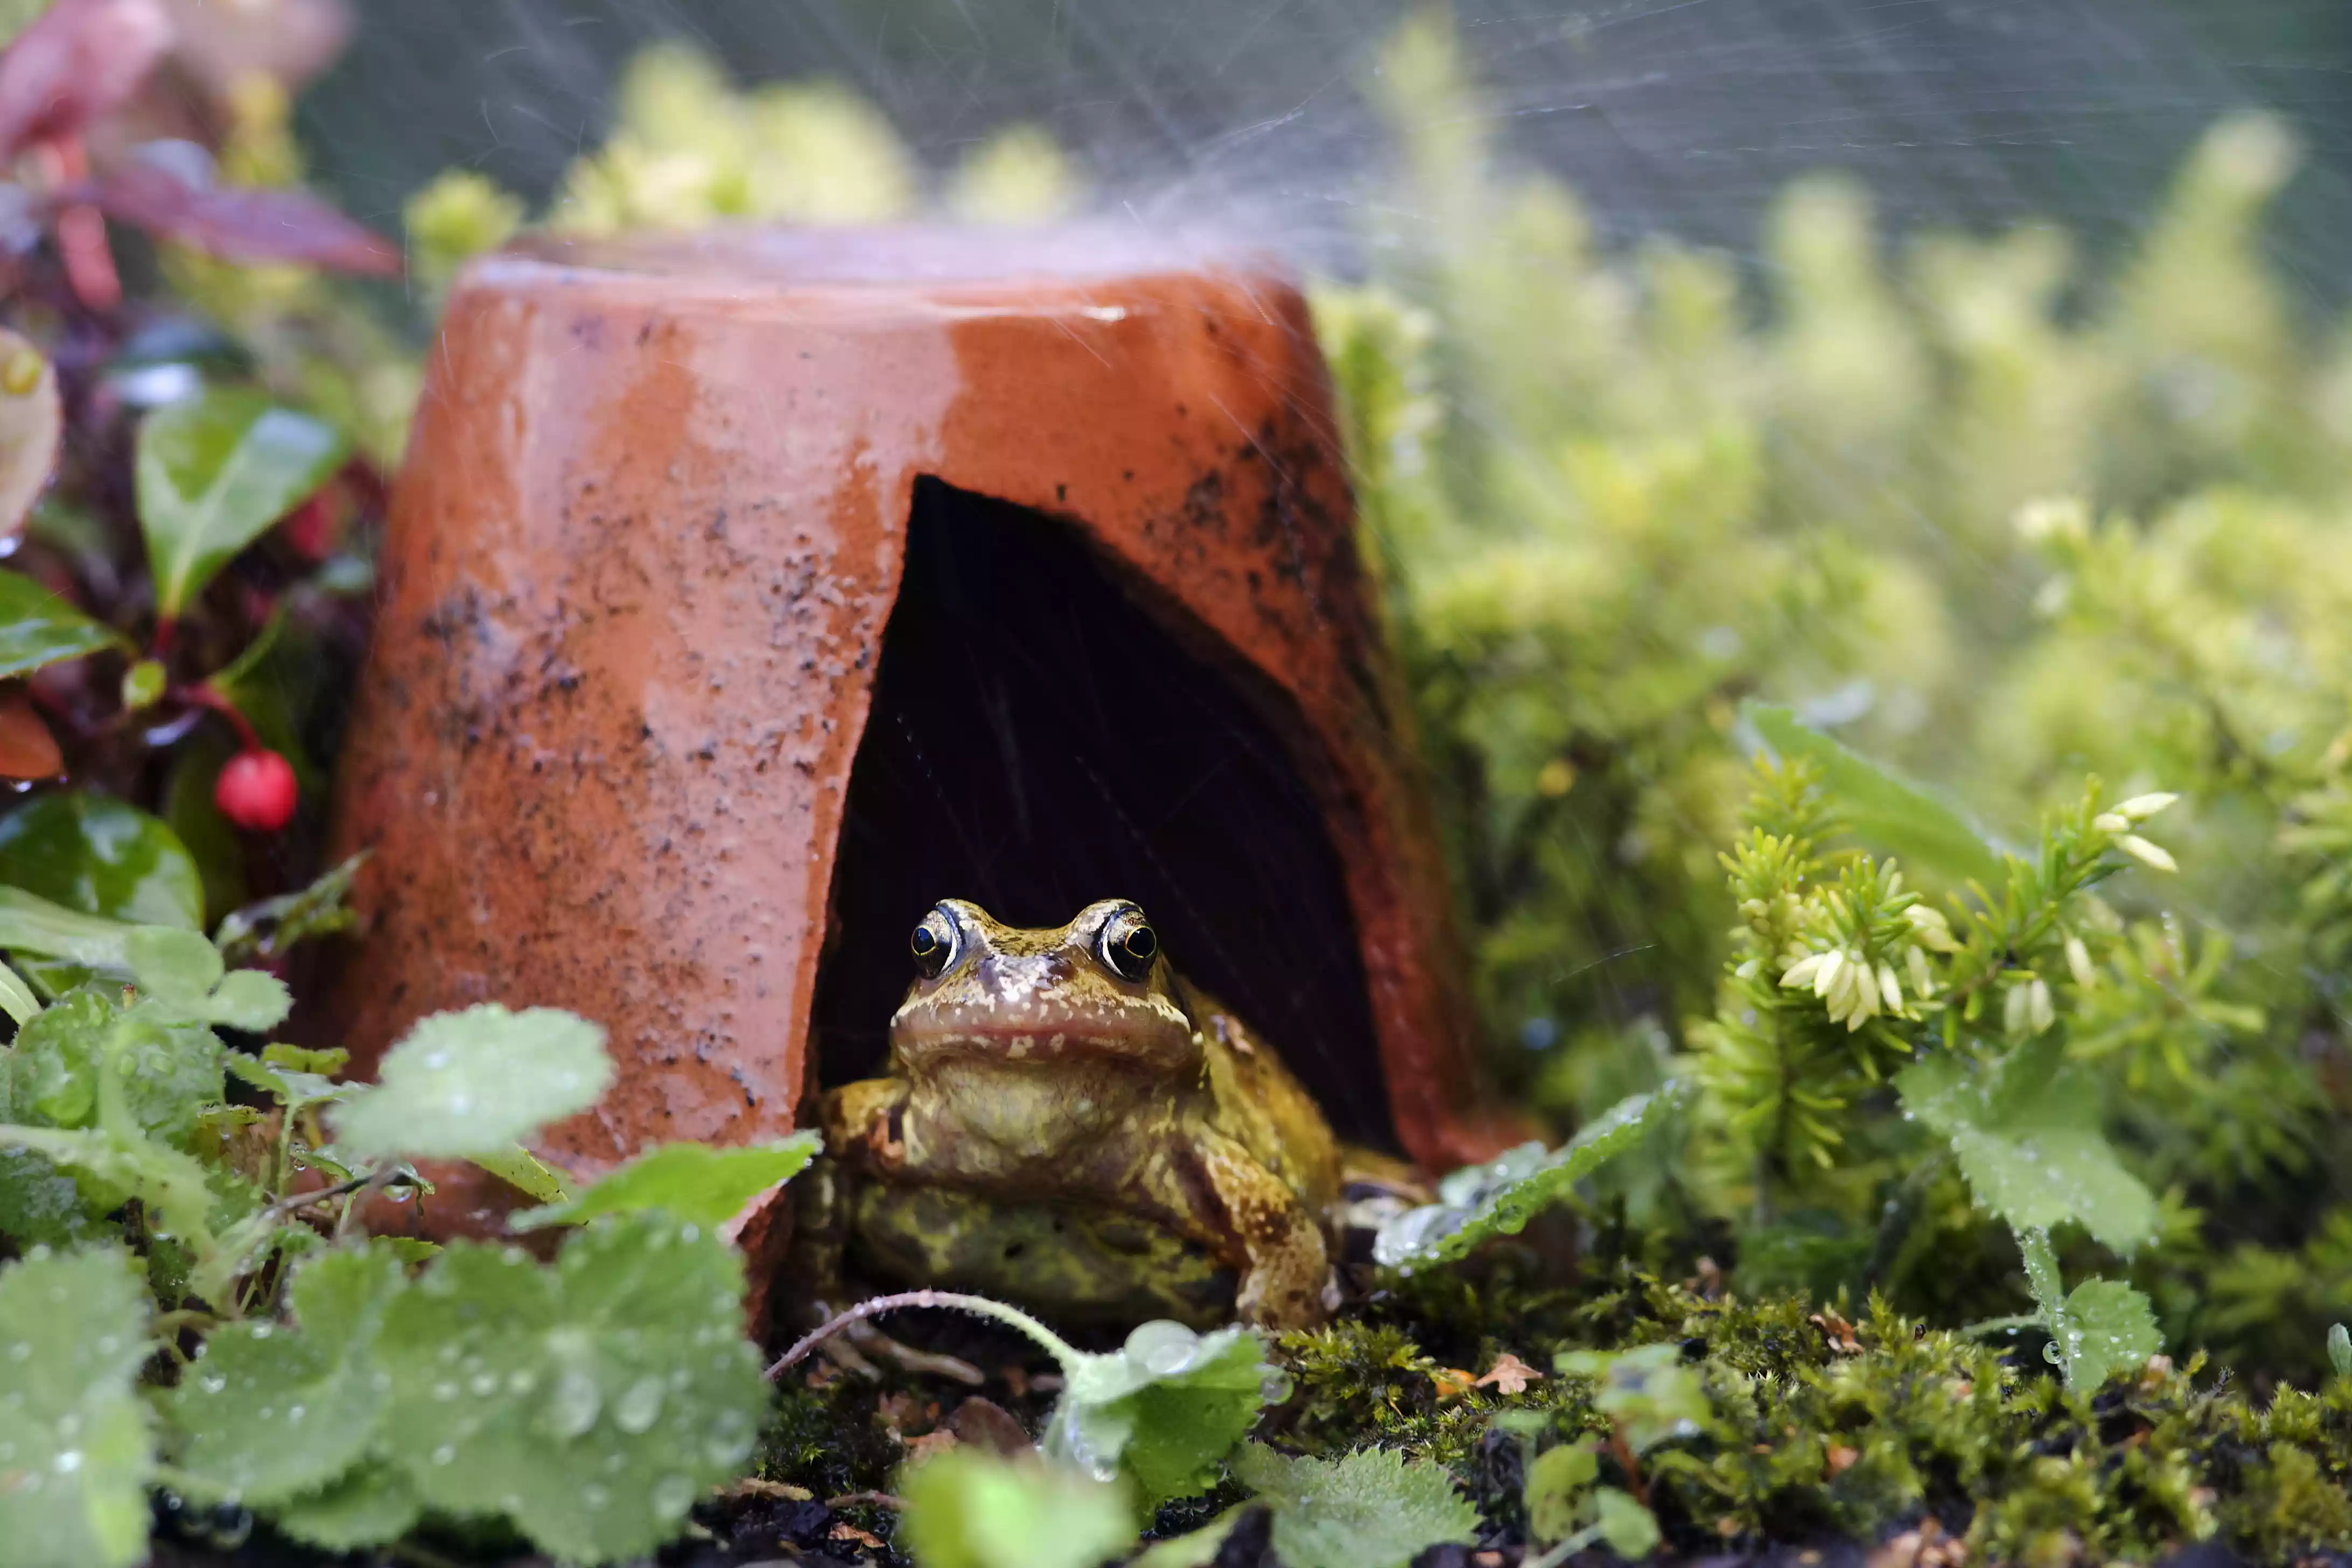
point(444, 1454)
point(672, 1495)
point(483, 1383)
point(573, 1408)
point(637, 1408)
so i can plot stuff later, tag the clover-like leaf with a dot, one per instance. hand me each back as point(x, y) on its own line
point(2032, 1152)
point(37, 628)
point(75, 1450)
point(465, 1084)
point(1481, 1202)
point(686, 1181)
point(213, 472)
point(1557, 1488)
point(1647, 1391)
point(249, 1000)
point(1631, 1529)
point(1164, 1408)
point(590, 1403)
point(270, 1413)
point(1371, 1509)
point(969, 1508)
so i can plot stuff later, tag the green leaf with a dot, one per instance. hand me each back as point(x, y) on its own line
point(1372, 1509)
point(523, 1170)
point(969, 1509)
point(1884, 811)
point(459, 1084)
point(213, 472)
point(75, 1454)
point(1556, 1490)
point(273, 925)
point(2029, 1145)
point(2104, 1328)
point(1481, 1202)
point(1631, 1529)
point(168, 1069)
point(249, 1000)
point(688, 1180)
point(17, 998)
point(39, 1203)
point(592, 1403)
point(1193, 1549)
point(1647, 1391)
point(269, 1412)
point(38, 628)
point(176, 966)
point(1164, 1408)
point(366, 1506)
point(99, 856)
point(2339, 1350)
point(290, 1087)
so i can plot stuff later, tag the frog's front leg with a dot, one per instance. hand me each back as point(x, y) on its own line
point(1216, 1193)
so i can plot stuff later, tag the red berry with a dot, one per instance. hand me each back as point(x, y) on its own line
point(257, 789)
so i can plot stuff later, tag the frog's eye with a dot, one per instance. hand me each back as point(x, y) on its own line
point(933, 944)
point(1129, 945)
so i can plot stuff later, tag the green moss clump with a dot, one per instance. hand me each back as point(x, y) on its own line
point(1820, 1428)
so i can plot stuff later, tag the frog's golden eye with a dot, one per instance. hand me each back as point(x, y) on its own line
point(933, 944)
point(1129, 945)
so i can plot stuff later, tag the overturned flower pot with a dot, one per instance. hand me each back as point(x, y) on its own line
point(744, 594)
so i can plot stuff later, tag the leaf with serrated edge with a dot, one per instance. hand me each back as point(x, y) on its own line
point(1371, 1509)
point(686, 1181)
point(463, 1084)
point(1164, 1408)
point(75, 1454)
point(269, 1412)
point(367, 1505)
point(969, 1509)
point(2109, 1330)
point(249, 1000)
point(2033, 1159)
point(213, 472)
point(590, 1403)
point(1521, 1185)
point(177, 966)
point(1891, 816)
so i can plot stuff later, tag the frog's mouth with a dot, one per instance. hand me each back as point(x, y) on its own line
point(1155, 1036)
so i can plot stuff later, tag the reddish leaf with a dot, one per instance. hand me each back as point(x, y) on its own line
point(81, 59)
point(239, 224)
point(27, 749)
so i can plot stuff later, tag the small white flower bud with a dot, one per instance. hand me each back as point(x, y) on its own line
point(1922, 983)
point(1803, 971)
point(1931, 928)
point(2039, 1012)
point(2078, 962)
point(1826, 977)
point(2140, 807)
point(1888, 990)
point(2013, 1011)
point(2150, 855)
point(2112, 822)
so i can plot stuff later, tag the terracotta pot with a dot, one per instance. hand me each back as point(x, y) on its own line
point(744, 594)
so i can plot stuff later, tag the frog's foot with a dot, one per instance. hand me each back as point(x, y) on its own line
point(1286, 1281)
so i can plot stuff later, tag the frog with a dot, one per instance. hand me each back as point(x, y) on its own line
point(1066, 1121)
